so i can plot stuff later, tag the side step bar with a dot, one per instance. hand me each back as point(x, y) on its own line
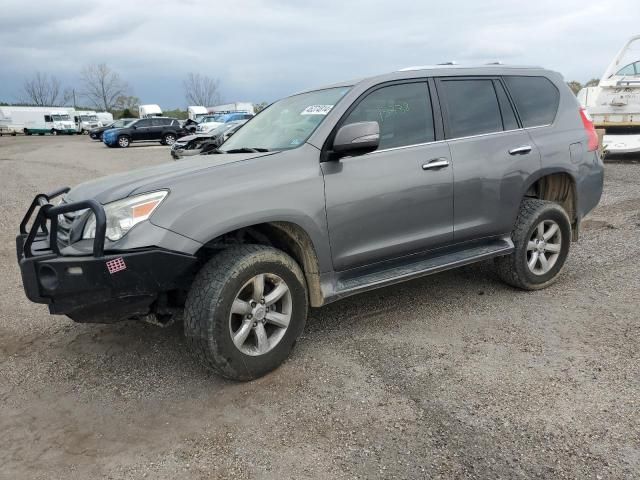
point(369, 278)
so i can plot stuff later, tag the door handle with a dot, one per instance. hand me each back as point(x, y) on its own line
point(436, 163)
point(520, 150)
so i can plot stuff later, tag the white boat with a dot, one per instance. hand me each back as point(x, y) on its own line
point(614, 105)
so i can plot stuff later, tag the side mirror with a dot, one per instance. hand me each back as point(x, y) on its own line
point(360, 137)
point(134, 126)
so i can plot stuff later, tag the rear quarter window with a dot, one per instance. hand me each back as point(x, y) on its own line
point(536, 99)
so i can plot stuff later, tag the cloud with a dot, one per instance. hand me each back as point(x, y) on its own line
point(262, 50)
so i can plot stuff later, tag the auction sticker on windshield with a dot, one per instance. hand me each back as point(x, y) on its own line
point(316, 110)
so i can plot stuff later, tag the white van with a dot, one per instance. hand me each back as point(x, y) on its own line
point(40, 120)
point(196, 113)
point(85, 120)
point(146, 111)
point(105, 118)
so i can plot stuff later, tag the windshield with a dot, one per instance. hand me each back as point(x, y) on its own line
point(287, 123)
point(121, 123)
point(213, 118)
point(223, 128)
point(88, 118)
point(631, 70)
point(57, 118)
point(200, 116)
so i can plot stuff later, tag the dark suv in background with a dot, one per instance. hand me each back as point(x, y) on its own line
point(162, 129)
point(323, 195)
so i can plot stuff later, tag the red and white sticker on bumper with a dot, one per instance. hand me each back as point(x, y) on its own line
point(116, 265)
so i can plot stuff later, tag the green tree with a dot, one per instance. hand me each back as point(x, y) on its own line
point(575, 86)
point(176, 113)
point(592, 83)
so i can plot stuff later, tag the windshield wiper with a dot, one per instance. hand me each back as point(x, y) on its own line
point(247, 150)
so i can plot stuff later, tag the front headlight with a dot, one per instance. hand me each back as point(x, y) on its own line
point(123, 214)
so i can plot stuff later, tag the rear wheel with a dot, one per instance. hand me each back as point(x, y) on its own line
point(124, 141)
point(54, 131)
point(245, 311)
point(541, 237)
point(168, 139)
point(27, 132)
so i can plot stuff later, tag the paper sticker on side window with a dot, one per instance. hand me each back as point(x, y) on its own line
point(316, 110)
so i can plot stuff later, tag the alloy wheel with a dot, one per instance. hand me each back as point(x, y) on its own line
point(544, 246)
point(260, 314)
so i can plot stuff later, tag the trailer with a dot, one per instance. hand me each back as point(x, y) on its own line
point(614, 105)
point(40, 120)
point(196, 112)
point(236, 107)
point(152, 110)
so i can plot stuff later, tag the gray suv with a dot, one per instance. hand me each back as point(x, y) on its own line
point(324, 194)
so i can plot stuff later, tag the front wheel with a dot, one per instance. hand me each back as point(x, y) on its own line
point(54, 132)
point(123, 141)
point(541, 237)
point(245, 311)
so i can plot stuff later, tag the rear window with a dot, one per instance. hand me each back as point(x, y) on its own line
point(471, 107)
point(536, 99)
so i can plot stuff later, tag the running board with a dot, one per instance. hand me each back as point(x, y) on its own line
point(352, 282)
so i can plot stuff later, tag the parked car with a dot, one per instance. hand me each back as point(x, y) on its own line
point(323, 195)
point(96, 133)
point(204, 143)
point(210, 122)
point(163, 129)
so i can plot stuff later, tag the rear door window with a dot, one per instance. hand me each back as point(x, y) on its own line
point(536, 99)
point(471, 107)
point(403, 113)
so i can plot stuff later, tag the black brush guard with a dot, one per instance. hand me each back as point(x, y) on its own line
point(49, 213)
point(80, 284)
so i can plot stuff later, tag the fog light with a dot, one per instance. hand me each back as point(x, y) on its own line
point(48, 277)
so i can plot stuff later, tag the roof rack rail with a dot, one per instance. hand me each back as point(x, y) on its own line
point(452, 62)
point(497, 62)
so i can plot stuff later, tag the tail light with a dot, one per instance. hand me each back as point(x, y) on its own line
point(590, 129)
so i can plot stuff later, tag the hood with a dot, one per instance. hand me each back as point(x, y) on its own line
point(188, 138)
point(115, 187)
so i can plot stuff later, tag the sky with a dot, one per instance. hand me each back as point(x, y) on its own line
point(262, 50)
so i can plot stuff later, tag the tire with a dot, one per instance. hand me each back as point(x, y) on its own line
point(124, 141)
point(524, 267)
point(168, 139)
point(209, 322)
point(54, 132)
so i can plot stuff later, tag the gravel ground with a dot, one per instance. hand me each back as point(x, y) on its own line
point(450, 376)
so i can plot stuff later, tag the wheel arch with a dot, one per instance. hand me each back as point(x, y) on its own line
point(287, 236)
point(556, 185)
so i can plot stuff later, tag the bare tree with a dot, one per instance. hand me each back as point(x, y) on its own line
point(102, 86)
point(201, 90)
point(42, 90)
